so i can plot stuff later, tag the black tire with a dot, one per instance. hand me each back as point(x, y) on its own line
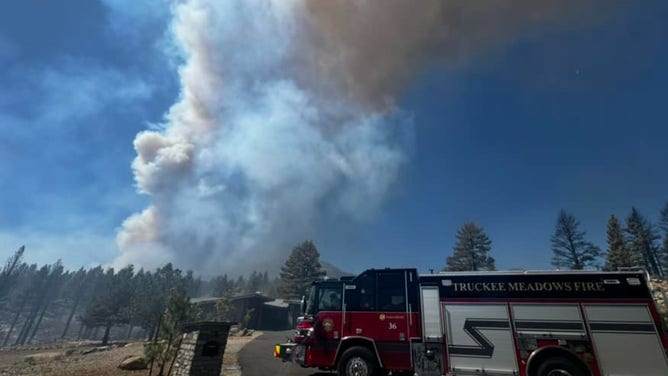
point(559, 367)
point(357, 361)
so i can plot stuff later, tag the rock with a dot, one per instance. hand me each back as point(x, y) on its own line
point(43, 357)
point(96, 349)
point(133, 363)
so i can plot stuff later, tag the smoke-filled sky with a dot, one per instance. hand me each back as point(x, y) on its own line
point(218, 134)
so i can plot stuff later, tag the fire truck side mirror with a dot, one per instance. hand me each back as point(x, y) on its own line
point(303, 305)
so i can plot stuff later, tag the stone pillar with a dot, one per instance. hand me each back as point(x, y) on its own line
point(202, 349)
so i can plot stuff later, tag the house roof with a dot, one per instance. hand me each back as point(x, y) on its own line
point(280, 303)
point(254, 295)
point(205, 300)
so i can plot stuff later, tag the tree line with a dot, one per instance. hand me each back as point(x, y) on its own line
point(635, 243)
point(49, 302)
point(91, 303)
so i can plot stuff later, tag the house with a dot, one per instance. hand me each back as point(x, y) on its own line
point(254, 311)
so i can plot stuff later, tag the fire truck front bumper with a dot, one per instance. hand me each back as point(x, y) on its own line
point(290, 352)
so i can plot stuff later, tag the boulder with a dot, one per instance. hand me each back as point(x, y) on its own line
point(133, 363)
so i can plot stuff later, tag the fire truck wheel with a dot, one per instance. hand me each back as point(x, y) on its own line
point(357, 361)
point(559, 367)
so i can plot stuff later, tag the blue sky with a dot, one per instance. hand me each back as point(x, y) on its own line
point(556, 118)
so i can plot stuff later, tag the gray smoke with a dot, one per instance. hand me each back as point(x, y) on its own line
point(288, 114)
point(374, 48)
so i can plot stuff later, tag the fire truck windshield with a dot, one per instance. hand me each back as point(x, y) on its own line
point(310, 302)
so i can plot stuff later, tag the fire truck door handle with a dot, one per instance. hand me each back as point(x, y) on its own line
point(343, 317)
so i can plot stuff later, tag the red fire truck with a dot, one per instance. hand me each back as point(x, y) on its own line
point(470, 323)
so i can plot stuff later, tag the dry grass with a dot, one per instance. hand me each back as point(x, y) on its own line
point(68, 360)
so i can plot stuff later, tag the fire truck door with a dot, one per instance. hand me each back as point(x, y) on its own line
point(392, 321)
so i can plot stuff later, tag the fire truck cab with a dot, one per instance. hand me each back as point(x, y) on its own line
point(481, 323)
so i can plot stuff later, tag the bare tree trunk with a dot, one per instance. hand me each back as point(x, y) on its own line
point(11, 328)
point(130, 332)
point(16, 319)
point(39, 321)
point(169, 346)
point(155, 340)
point(26, 327)
point(82, 331)
point(69, 318)
point(171, 364)
point(155, 328)
point(105, 338)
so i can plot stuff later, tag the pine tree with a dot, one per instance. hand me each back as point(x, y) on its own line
point(177, 311)
point(300, 270)
point(663, 219)
point(113, 307)
point(641, 239)
point(75, 290)
point(254, 283)
point(619, 255)
point(663, 225)
point(7, 273)
point(571, 249)
point(471, 250)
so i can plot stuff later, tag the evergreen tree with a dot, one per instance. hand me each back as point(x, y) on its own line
point(177, 311)
point(37, 294)
point(663, 219)
point(20, 297)
point(254, 283)
point(74, 291)
point(224, 306)
point(152, 290)
point(663, 225)
point(113, 307)
point(569, 246)
point(51, 291)
point(7, 274)
point(240, 284)
point(299, 271)
point(619, 255)
point(642, 240)
point(471, 250)
point(221, 285)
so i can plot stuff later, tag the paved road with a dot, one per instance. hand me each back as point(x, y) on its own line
point(257, 358)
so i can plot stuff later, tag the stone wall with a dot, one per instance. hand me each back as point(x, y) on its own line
point(202, 348)
point(660, 291)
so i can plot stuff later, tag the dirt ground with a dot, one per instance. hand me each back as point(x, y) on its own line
point(66, 359)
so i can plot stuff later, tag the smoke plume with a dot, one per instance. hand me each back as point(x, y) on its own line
point(373, 48)
point(288, 114)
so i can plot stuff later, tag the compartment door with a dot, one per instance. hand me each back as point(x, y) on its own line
point(625, 340)
point(479, 339)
